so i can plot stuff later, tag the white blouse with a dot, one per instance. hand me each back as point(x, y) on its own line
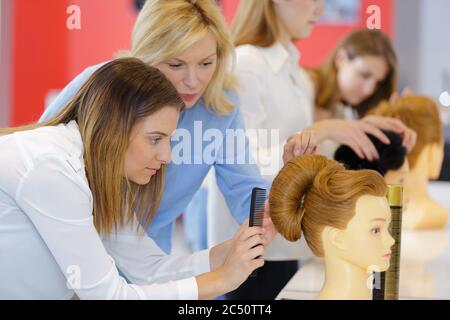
point(275, 94)
point(49, 247)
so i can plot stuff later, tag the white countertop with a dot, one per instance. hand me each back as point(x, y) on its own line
point(424, 264)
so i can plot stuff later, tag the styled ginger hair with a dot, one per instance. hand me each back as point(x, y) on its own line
point(312, 192)
point(419, 113)
point(106, 108)
point(166, 28)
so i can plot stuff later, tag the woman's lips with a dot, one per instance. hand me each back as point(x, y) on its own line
point(151, 170)
point(188, 97)
point(387, 255)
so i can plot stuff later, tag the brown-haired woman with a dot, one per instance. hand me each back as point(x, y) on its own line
point(70, 188)
point(361, 72)
point(344, 215)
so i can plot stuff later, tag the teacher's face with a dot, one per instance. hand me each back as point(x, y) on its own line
point(192, 70)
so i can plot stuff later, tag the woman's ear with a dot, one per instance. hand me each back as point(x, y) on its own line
point(341, 58)
point(334, 238)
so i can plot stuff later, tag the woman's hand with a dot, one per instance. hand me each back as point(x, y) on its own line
point(269, 228)
point(352, 133)
point(390, 124)
point(245, 254)
point(301, 143)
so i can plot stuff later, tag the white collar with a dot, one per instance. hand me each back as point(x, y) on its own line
point(74, 136)
point(277, 55)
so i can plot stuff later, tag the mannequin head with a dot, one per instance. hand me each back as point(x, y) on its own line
point(422, 115)
point(392, 164)
point(344, 214)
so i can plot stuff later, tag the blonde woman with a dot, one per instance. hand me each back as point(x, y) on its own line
point(72, 190)
point(276, 94)
point(188, 41)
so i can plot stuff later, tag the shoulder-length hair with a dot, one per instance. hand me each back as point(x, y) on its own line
point(114, 99)
point(360, 43)
point(166, 28)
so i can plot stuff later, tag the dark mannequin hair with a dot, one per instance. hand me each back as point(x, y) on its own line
point(392, 156)
point(138, 4)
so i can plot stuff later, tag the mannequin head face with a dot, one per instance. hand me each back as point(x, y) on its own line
point(422, 115)
point(397, 176)
point(314, 194)
point(366, 241)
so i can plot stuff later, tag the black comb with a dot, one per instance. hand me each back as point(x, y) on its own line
point(257, 212)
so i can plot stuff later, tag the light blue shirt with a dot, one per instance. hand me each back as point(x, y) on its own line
point(235, 181)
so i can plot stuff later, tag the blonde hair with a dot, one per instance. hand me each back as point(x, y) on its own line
point(166, 28)
point(106, 108)
point(359, 43)
point(255, 23)
point(419, 113)
point(312, 192)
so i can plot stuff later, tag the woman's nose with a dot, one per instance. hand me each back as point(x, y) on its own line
point(191, 79)
point(165, 154)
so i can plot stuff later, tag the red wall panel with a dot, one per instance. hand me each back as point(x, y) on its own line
point(105, 30)
point(39, 55)
point(47, 55)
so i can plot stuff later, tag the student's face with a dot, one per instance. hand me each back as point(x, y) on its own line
point(366, 240)
point(358, 78)
point(192, 70)
point(149, 147)
point(298, 17)
point(397, 176)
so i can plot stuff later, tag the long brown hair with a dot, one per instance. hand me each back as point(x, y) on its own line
point(419, 113)
point(362, 42)
point(108, 105)
point(312, 192)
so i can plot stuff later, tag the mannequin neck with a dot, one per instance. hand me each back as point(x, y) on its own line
point(422, 211)
point(344, 281)
point(417, 182)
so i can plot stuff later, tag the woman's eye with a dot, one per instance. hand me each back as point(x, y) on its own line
point(155, 140)
point(205, 64)
point(375, 231)
point(175, 65)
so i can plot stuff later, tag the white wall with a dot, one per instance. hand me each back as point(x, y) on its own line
point(423, 45)
point(435, 64)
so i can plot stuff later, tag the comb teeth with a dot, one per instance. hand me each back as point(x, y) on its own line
point(257, 212)
point(257, 207)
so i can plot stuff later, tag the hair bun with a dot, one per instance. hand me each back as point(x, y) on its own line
point(289, 193)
